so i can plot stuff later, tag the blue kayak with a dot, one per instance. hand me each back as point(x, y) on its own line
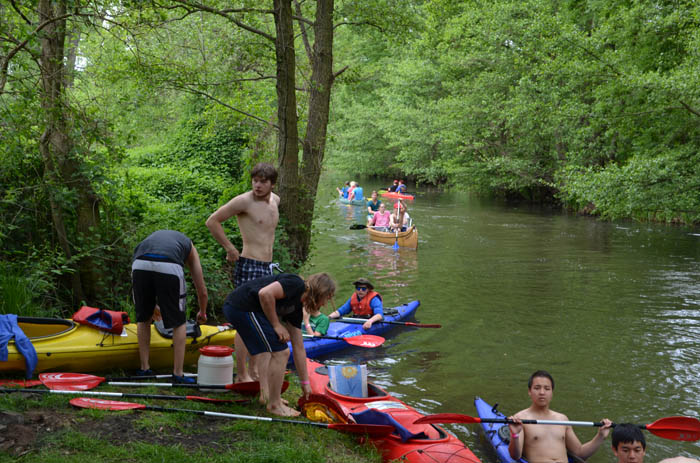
point(498, 434)
point(318, 347)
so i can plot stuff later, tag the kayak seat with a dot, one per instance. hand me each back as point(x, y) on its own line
point(39, 327)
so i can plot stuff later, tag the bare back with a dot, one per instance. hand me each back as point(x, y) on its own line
point(544, 443)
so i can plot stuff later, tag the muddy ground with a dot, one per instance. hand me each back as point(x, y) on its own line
point(21, 433)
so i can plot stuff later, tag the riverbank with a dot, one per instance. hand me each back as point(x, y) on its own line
point(41, 428)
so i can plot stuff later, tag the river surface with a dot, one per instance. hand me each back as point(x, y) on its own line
point(611, 310)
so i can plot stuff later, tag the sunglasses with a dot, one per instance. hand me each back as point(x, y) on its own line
point(361, 288)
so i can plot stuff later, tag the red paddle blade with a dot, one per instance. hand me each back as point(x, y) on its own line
point(371, 430)
point(19, 382)
point(250, 387)
point(446, 418)
point(70, 381)
point(86, 402)
point(682, 428)
point(423, 325)
point(365, 340)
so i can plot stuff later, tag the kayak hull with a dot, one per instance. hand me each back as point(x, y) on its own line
point(493, 432)
point(317, 347)
point(395, 195)
point(64, 345)
point(438, 445)
point(407, 239)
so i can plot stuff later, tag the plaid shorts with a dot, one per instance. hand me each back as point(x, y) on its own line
point(250, 269)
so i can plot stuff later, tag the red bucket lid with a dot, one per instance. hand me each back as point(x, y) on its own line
point(216, 351)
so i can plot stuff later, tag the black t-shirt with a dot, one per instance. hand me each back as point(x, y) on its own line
point(289, 308)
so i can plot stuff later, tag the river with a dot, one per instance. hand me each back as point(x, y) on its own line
point(611, 310)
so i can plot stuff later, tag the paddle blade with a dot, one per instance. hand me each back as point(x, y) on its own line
point(70, 381)
point(250, 387)
point(86, 402)
point(19, 382)
point(683, 428)
point(371, 430)
point(446, 418)
point(365, 340)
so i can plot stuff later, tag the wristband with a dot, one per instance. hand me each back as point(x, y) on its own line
point(305, 382)
point(514, 436)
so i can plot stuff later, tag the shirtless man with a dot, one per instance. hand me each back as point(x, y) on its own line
point(257, 214)
point(548, 443)
point(629, 446)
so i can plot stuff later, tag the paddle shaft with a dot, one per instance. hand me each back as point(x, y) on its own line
point(362, 320)
point(124, 394)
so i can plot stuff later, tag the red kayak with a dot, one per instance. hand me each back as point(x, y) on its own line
point(433, 444)
point(395, 195)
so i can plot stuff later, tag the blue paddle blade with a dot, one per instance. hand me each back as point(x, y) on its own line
point(395, 247)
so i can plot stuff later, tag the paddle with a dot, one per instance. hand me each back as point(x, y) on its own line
point(84, 382)
point(358, 226)
point(682, 428)
point(121, 394)
point(363, 340)
point(372, 430)
point(417, 325)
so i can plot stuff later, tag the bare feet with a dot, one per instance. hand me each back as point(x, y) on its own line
point(243, 379)
point(282, 410)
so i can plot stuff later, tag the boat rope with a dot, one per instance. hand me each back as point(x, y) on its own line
point(431, 454)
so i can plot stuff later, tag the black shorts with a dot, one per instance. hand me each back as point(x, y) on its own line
point(161, 283)
point(255, 329)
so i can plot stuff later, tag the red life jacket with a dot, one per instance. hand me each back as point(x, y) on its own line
point(105, 320)
point(362, 307)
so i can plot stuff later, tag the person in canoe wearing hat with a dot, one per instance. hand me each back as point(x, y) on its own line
point(364, 303)
point(394, 186)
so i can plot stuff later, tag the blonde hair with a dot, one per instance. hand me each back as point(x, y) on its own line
point(320, 287)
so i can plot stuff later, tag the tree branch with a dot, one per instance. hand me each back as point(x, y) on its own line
point(689, 109)
point(221, 13)
point(303, 26)
point(20, 13)
point(342, 70)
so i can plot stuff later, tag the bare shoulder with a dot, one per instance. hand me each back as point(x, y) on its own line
point(679, 459)
point(558, 416)
point(276, 198)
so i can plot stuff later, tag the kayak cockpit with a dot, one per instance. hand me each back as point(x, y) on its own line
point(44, 327)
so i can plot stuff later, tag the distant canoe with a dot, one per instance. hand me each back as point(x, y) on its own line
point(407, 239)
point(354, 202)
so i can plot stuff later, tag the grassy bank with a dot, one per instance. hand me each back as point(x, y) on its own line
point(45, 428)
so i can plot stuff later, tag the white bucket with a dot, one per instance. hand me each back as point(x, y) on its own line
point(215, 366)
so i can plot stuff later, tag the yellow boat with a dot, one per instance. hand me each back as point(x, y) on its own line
point(407, 239)
point(67, 346)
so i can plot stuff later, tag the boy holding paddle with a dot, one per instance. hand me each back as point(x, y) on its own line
point(545, 443)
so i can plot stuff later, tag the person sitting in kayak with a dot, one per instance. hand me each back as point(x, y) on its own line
point(548, 444)
point(364, 303)
point(344, 192)
point(401, 188)
point(356, 193)
point(394, 186)
point(629, 446)
point(381, 219)
point(399, 219)
point(267, 313)
point(373, 204)
point(315, 322)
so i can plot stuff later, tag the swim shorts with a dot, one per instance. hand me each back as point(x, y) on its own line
point(161, 283)
point(255, 330)
point(250, 269)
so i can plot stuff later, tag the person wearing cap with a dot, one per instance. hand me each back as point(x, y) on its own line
point(364, 303)
point(393, 187)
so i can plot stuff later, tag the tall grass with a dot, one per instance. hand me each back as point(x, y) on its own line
point(17, 294)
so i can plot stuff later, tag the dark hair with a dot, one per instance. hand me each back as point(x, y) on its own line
point(265, 171)
point(627, 433)
point(540, 374)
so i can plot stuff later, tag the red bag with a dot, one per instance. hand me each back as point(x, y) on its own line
point(105, 320)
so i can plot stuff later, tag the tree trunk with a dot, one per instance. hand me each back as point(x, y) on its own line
point(288, 135)
point(61, 166)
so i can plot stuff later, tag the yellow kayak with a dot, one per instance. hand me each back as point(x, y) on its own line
point(67, 346)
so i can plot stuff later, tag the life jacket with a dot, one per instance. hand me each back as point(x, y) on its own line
point(362, 307)
point(105, 320)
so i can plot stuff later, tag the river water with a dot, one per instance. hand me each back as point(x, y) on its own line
point(611, 310)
